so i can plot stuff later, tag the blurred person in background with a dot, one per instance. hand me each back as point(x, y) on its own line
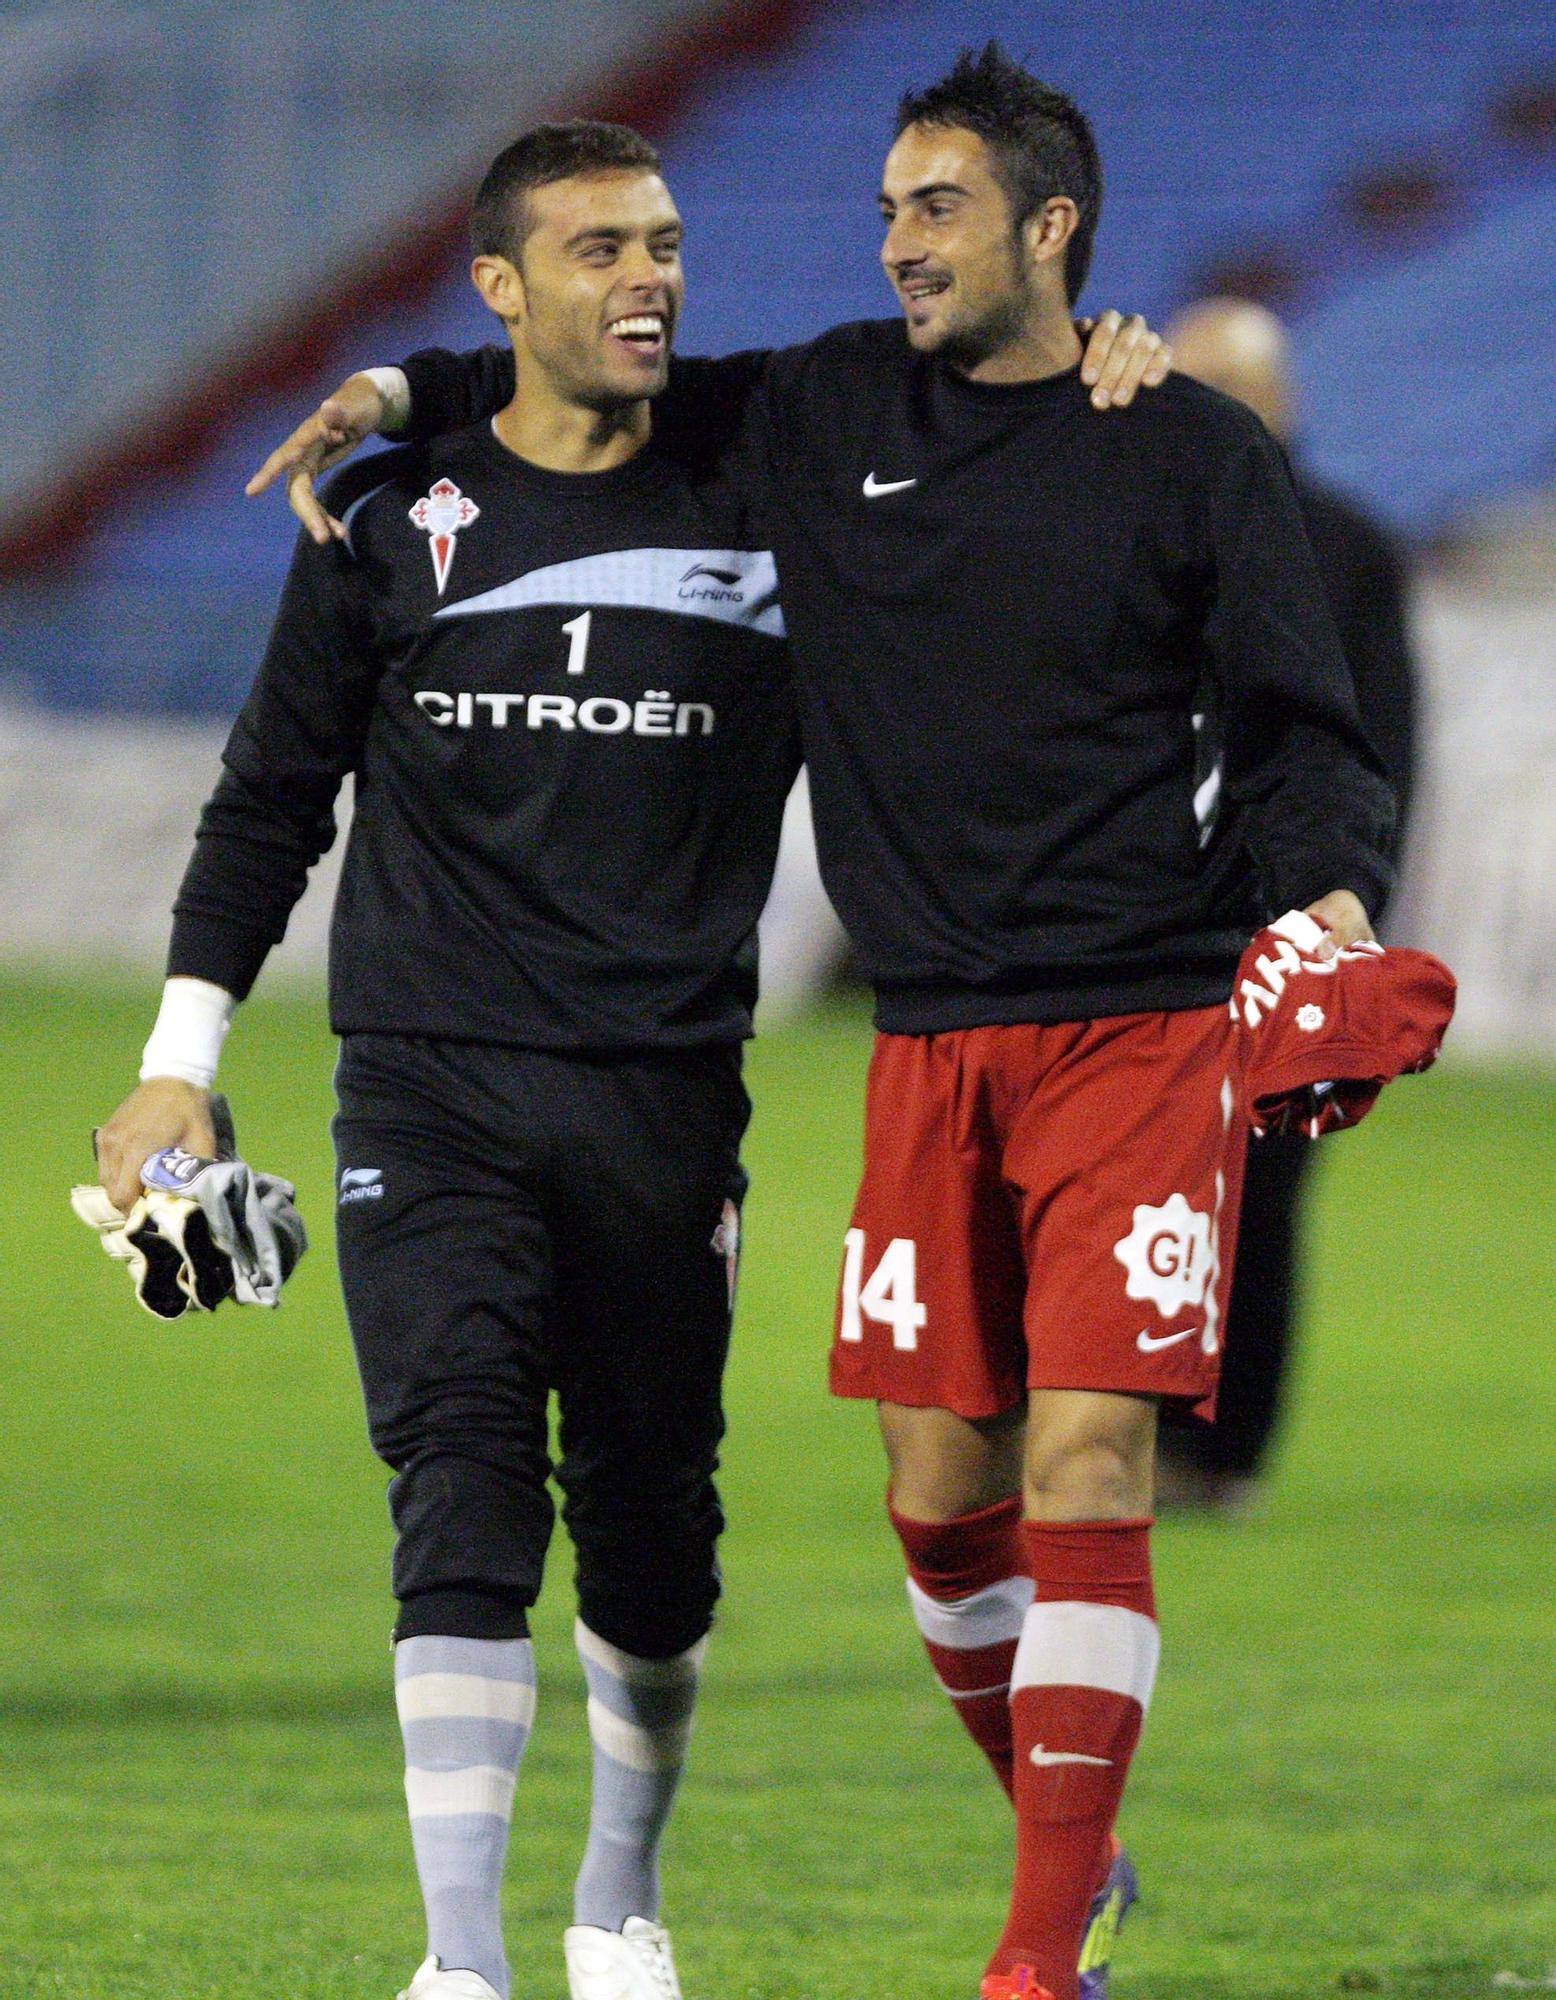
point(1241, 349)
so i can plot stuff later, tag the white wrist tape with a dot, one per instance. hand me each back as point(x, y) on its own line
point(191, 1026)
point(394, 386)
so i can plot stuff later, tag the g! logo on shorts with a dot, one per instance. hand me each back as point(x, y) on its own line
point(1168, 1256)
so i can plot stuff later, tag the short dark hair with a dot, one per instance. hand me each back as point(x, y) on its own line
point(1040, 140)
point(499, 221)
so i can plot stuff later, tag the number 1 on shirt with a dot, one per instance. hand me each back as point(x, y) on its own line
point(578, 650)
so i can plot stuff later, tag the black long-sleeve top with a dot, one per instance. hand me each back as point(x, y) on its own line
point(1018, 627)
point(566, 704)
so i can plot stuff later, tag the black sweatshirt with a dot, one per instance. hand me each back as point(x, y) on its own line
point(1074, 712)
point(571, 725)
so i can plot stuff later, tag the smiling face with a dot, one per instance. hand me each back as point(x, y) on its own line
point(970, 283)
point(595, 292)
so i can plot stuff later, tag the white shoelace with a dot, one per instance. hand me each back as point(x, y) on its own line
point(653, 1948)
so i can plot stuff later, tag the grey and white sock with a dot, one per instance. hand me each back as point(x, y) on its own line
point(640, 1718)
point(466, 1706)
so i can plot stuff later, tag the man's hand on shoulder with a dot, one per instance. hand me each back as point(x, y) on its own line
point(332, 433)
point(162, 1111)
point(1343, 916)
point(1122, 355)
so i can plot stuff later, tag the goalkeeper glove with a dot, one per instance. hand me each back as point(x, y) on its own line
point(203, 1231)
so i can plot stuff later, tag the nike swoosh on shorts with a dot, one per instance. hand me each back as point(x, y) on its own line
point(1148, 1343)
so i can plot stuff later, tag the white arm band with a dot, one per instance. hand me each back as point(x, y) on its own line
point(393, 385)
point(192, 1024)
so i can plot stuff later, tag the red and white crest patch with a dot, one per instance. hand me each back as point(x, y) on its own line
point(441, 513)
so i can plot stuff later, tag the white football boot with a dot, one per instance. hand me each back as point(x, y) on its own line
point(433, 1983)
point(633, 1963)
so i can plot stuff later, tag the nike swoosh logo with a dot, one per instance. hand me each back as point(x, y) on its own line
point(874, 488)
point(1041, 1756)
point(1148, 1343)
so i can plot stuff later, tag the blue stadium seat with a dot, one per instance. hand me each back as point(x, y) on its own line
point(1220, 127)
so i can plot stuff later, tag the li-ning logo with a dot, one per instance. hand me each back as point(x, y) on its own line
point(724, 581)
point(441, 513)
point(361, 1184)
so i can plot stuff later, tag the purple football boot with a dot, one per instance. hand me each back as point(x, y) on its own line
point(1109, 1907)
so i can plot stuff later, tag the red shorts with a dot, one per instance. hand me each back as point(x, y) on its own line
point(1044, 1207)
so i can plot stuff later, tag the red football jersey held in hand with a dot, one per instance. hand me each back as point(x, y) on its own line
point(1322, 1036)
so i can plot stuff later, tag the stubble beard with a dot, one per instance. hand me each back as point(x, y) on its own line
point(576, 375)
point(607, 401)
point(1003, 322)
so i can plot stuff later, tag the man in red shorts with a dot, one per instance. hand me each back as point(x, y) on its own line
point(1076, 724)
point(1143, 743)
point(1070, 740)
point(1091, 775)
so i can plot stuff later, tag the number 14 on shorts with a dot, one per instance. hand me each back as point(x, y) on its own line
point(889, 1295)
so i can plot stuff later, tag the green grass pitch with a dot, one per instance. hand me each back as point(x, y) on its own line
point(1346, 1782)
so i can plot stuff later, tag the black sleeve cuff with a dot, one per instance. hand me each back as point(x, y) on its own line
point(1362, 870)
point(449, 390)
point(227, 954)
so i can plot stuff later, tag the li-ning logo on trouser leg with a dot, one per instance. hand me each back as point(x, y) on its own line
point(361, 1184)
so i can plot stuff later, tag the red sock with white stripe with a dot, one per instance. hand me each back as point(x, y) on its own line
point(1080, 1686)
point(969, 1592)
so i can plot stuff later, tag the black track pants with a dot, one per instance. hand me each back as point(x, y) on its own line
point(514, 1222)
